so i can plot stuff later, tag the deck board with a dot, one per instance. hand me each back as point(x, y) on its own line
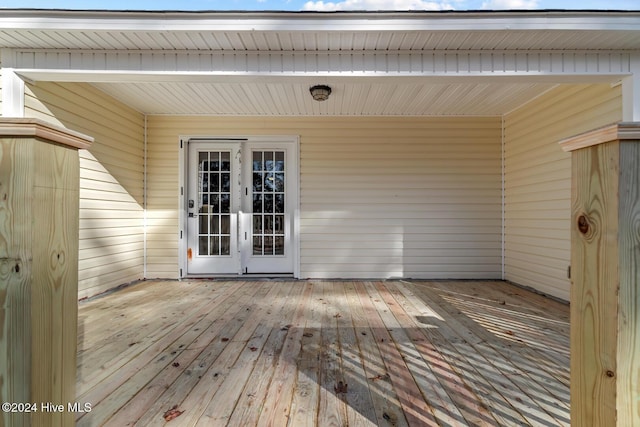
point(510, 378)
point(324, 353)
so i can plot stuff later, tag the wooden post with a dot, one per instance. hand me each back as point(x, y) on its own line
point(605, 275)
point(39, 197)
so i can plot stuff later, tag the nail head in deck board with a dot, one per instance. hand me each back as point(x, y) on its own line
point(39, 187)
point(605, 299)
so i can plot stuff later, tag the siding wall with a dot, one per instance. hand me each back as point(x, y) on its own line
point(111, 180)
point(380, 197)
point(538, 181)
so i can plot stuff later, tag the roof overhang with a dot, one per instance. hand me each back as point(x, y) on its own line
point(311, 31)
point(435, 59)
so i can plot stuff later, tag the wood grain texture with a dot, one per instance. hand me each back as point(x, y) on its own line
point(605, 298)
point(619, 131)
point(16, 181)
point(54, 288)
point(628, 363)
point(26, 127)
point(407, 353)
point(594, 300)
point(39, 259)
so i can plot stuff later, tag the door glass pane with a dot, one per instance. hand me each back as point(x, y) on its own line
point(268, 160)
point(203, 160)
point(214, 245)
point(269, 194)
point(257, 203)
point(203, 247)
point(257, 182)
point(214, 195)
point(268, 245)
point(214, 185)
point(225, 224)
point(268, 203)
point(279, 203)
point(226, 181)
point(257, 245)
point(279, 245)
point(225, 161)
point(278, 225)
point(214, 161)
point(215, 203)
point(225, 200)
point(269, 181)
point(204, 224)
point(279, 161)
point(278, 182)
point(257, 224)
point(268, 224)
point(225, 245)
point(257, 161)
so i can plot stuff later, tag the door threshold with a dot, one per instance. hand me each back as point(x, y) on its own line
point(246, 276)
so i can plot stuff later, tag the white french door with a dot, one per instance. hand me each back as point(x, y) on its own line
point(241, 199)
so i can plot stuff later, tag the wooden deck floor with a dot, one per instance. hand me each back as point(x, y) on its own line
point(324, 353)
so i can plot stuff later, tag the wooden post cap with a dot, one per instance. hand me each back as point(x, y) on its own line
point(30, 128)
point(616, 131)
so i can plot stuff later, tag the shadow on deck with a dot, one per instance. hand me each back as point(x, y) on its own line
point(325, 353)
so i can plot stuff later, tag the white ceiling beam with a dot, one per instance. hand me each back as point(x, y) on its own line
point(33, 76)
point(207, 66)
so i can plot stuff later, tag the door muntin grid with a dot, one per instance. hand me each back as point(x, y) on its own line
point(214, 203)
point(269, 198)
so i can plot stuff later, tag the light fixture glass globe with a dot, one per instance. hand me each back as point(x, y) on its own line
point(320, 92)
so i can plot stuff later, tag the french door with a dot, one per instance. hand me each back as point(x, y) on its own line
point(240, 205)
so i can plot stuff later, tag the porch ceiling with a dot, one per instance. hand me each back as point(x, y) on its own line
point(251, 35)
point(393, 98)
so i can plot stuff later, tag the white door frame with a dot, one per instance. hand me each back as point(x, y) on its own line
point(293, 190)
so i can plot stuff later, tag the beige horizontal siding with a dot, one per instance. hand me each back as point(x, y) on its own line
point(111, 180)
point(538, 181)
point(380, 197)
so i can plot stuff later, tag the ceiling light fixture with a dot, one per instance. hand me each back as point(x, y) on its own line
point(320, 92)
